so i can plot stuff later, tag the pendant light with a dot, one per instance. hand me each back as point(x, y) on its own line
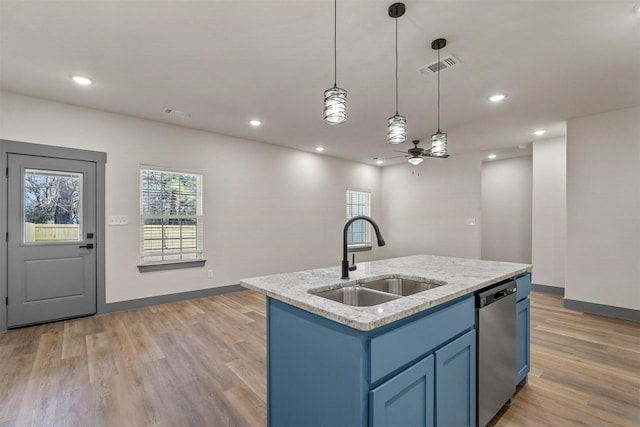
point(397, 124)
point(439, 139)
point(335, 98)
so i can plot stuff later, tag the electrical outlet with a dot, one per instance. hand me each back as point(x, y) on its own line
point(209, 274)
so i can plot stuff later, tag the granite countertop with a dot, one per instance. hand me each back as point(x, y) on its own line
point(462, 276)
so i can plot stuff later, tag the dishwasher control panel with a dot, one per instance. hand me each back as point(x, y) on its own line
point(495, 293)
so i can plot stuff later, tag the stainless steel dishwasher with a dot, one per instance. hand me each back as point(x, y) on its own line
point(496, 344)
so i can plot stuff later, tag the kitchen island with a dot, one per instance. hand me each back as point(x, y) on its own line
point(410, 360)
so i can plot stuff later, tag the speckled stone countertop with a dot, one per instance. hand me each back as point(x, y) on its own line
point(462, 276)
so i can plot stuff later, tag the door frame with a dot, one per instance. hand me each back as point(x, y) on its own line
point(31, 149)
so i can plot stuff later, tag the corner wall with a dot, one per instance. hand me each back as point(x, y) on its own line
point(267, 209)
point(603, 209)
point(549, 215)
point(506, 210)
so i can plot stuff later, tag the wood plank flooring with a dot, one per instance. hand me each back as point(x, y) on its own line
point(585, 370)
point(202, 363)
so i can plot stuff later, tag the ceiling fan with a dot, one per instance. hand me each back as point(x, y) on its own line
point(416, 154)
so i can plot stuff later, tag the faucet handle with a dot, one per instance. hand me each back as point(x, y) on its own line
point(353, 266)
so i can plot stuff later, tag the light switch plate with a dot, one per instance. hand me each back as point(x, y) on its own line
point(118, 220)
point(471, 221)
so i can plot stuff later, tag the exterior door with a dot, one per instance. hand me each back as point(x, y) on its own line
point(51, 221)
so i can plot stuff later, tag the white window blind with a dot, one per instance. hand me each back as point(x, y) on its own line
point(358, 203)
point(171, 221)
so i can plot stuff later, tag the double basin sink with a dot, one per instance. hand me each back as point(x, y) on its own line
point(378, 291)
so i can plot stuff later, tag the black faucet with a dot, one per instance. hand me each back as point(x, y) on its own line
point(345, 261)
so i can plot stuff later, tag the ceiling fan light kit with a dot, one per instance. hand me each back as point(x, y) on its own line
point(335, 98)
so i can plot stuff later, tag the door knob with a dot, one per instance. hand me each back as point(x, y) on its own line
point(88, 246)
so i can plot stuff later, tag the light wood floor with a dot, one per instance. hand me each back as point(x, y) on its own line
point(202, 363)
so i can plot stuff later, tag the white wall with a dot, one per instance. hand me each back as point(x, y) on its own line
point(603, 209)
point(267, 209)
point(425, 207)
point(506, 210)
point(549, 216)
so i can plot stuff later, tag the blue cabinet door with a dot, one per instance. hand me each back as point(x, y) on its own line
point(522, 339)
point(405, 400)
point(456, 382)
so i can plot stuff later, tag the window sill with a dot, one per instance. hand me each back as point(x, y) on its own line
point(145, 268)
point(359, 248)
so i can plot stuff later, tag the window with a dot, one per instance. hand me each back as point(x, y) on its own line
point(170, 216)
point(52, 206)
point(359, 233)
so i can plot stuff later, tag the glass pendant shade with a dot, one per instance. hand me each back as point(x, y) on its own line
point(439, 144)
point(396, 129)
point(335, 105)
point(415, 161)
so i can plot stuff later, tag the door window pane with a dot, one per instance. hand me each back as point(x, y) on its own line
point(52, 206)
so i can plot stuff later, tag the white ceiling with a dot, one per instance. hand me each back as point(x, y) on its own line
point(226, 62)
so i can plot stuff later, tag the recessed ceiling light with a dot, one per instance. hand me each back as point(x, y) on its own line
point(255, 122)
point(379, 161)
point(491, 156)
point(539, 132)
point(497, 97)
point(319, 149)
point(636, 8)
point(82, 80)
point(522, 146)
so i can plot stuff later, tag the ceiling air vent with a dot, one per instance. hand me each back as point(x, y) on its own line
point(446, 62)
point(177, 113)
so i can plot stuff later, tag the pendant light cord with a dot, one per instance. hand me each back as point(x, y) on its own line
point(335, 43)
point(396, 66)
point(439, 66)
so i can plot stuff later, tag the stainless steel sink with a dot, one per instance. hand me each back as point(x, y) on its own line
point(357, 296)
point(402, 287)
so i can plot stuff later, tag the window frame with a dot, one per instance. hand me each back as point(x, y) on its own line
point(367, 244)
point(195, 257)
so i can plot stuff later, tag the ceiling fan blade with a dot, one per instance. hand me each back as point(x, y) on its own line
point(398, 151)
point(395, 157)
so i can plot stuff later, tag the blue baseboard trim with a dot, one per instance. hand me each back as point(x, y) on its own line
point(548, 289)
point(164, 299)
point(603, 310)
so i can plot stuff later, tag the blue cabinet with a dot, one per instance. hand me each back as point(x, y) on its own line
point(418, 371)
point(523, 358)
point(407, 399)
point(456, 382)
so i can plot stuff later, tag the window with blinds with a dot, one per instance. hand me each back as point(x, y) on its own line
point(359, 233)
point(170, 216)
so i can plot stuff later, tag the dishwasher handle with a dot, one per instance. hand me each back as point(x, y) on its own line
point(497, 293)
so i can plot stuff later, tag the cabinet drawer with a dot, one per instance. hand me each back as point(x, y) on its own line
point(524, 286)
point(400, 346)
